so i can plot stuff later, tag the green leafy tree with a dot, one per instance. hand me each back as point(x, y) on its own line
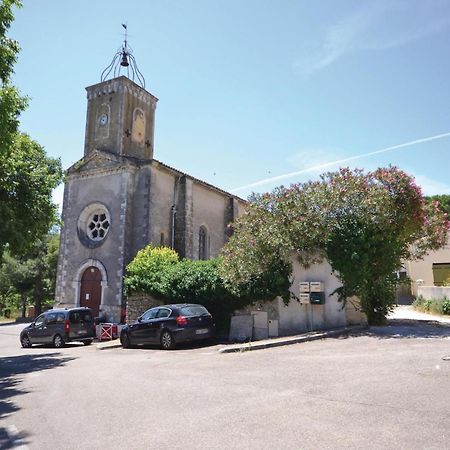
point(18, 279)
point(9, 298)
point(27, 175)
point(443, 201)
point(364, 224)
point(30, 278)
point(11, 102)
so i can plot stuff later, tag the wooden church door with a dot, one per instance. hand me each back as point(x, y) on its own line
point(91, 289)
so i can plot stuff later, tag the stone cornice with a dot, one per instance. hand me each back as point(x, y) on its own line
point(121, 84)
point(94, 173)
point(120, 164)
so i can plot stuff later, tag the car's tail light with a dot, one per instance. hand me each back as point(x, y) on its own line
point(182, 321)
point(67, 326)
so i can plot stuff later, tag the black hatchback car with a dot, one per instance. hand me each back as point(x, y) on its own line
point(168, 325)
point(58, 326)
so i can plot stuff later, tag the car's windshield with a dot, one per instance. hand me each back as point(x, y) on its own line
point(193, 310)
point(39, 321)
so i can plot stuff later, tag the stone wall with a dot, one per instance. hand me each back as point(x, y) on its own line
point(139, 303)
point(422, 269)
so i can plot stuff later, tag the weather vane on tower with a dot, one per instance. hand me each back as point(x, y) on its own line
point(124, 59)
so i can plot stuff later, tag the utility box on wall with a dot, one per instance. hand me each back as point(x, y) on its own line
point(316, 286)
point(273, 328)
point(312, 292)
point(304, 297)
point(304, 286)
point(317, 298)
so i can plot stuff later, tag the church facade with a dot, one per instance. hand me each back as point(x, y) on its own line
point(118, 199)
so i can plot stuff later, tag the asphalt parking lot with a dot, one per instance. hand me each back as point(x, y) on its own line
point(384, 388)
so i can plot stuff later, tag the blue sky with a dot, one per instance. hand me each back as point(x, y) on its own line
point(251, 90)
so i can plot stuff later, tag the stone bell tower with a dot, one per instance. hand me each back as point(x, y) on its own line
point(107, 192)
point(120, 118)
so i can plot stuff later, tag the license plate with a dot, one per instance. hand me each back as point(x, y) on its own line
point(201, 331)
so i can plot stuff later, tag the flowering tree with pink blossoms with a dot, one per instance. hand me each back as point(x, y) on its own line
point(364, 224)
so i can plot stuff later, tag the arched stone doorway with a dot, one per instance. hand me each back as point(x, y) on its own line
point(91, 289)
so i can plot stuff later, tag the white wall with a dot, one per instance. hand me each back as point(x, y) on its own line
point(433, 292)
point(296, 317)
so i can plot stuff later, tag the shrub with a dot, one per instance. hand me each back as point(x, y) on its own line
point(199, 282)
point(418, 302)
point(147, 270)
point(160, 273)
point(434, 306)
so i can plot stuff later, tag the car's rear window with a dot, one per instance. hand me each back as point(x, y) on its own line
point(195, 310)
point(80, 316)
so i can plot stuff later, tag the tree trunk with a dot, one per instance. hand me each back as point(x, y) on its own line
point(23, 302)
point(38, 296)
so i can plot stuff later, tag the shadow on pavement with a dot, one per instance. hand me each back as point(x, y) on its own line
point(12, 370)
point(9, 439)
point(5, 324)
point(193, 345)
point(407, 328)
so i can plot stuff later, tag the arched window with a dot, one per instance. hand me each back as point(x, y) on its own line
point(138, 127)
point(203, 243)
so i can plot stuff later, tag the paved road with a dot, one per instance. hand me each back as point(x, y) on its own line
point(387, 388)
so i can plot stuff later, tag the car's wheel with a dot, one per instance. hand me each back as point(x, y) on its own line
point(58, 341)
point(25, 341)
point(125, 340)
point(167, 341)
point(87, 342)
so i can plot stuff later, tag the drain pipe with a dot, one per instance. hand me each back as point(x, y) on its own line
point(173, 212)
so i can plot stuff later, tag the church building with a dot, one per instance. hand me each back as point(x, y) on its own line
point(118, 198)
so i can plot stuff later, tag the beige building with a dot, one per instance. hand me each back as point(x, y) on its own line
point(432, 270)
point(118, 199)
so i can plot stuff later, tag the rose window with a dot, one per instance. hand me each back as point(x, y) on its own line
point(98, 226)
point(94, 223)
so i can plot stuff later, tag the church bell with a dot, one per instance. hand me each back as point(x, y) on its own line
point(124, 62)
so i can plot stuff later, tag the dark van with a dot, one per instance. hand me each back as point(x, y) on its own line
point(58, 326)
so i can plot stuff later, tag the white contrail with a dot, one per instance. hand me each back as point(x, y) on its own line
point(340, 161)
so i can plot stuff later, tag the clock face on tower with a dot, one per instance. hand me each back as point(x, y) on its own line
point(103, 120)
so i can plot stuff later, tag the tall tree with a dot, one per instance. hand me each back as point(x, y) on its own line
point(32, 276)
point(11, 102)
point(27, 175)
point(364, 224)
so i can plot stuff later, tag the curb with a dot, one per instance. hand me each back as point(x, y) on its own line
point(278, 342)
point(106, 345)
point(260, 345)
